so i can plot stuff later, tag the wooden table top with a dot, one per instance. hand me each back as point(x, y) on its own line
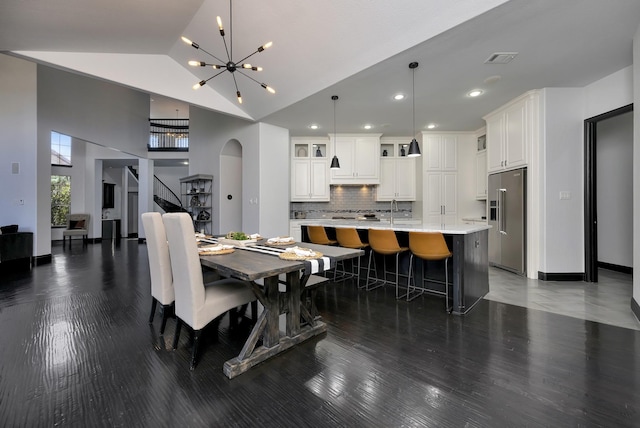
point(250, 265)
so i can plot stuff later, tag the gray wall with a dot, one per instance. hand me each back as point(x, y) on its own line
point(92, 110)
point(265, 167)
point(18, 144)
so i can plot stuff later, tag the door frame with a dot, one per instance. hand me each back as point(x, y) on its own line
point(590, 191)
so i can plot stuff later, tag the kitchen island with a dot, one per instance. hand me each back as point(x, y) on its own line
point(468, 242)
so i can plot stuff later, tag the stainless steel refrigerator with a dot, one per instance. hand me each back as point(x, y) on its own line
point(506, 194)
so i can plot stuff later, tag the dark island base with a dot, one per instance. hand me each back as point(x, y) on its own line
point(468, 272)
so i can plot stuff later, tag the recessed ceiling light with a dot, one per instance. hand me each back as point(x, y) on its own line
point(368, 126)
point(398, 97)
point(313, 126)
point(475, 93)
point(185, 163)
point(432, 126)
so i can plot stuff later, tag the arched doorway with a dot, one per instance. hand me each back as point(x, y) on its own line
point(231, 187)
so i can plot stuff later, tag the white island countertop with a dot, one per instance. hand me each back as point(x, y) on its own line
point(401, 225)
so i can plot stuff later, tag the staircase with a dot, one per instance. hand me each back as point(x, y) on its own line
point(163, 196)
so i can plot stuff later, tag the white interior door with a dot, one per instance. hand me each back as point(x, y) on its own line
point(231, 188)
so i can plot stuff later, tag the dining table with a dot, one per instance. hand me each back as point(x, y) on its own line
point(263, 268)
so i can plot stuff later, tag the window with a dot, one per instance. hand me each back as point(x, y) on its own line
point(60, 199)
point(60, 149)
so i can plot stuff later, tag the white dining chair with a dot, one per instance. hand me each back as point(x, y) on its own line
point(159, 266)
point(196, 305)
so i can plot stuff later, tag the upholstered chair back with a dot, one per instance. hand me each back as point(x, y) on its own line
point(185, 264)
point(159, 258)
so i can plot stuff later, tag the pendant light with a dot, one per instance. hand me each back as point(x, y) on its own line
point(335, 163)
point(414, 148)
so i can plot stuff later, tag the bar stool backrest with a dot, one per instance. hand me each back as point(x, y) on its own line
point(349, 238)
point(429, 245)
point(384, 241)
point(318, 235)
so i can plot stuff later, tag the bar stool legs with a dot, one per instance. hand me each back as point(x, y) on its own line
point(428, 246)
point(385, 243)
point(349, 238)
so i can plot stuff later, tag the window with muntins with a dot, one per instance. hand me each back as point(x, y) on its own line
point(60, 149)
point(60, 199)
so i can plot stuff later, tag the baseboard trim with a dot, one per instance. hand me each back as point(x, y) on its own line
point(565, 276)
point(42, 260)
point(635, 308)
point(616, 268)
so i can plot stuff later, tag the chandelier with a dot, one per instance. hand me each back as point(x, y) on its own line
point(230, 65)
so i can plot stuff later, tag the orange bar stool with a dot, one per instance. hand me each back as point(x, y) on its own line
point(317, 235)
point(349, 238)
point(428, 246)
point(384, 242)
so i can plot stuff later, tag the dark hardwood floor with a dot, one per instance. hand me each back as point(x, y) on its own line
point(76, 350)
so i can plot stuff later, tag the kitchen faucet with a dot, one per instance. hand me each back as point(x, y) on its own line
point(393, 202)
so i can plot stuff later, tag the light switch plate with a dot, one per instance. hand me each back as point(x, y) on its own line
point(565, 195)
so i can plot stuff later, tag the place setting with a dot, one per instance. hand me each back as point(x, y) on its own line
point(215, 250)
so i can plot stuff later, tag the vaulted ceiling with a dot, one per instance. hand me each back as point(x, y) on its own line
point(356, 49)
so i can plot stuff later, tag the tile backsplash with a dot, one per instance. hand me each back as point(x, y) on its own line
point(350, 201)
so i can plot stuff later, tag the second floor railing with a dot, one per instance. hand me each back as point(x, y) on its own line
point(168, 135)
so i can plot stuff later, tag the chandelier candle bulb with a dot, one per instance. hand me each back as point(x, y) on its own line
point(220, 25)
point(189, 42)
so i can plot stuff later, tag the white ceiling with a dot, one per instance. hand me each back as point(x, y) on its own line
point(357, 49)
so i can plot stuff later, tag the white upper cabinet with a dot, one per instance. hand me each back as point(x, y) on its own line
point(359, 159)
point(309, 170)
point(440, 152)
point(397, 172)
point(509, 130)
point(481, 175)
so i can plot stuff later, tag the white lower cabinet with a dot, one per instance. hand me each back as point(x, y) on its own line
point(397, 179)
point(295, 230)
point(440, 197)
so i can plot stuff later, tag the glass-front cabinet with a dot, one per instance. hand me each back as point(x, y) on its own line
point(305, 149)
point(309, 169)
point(397, 171)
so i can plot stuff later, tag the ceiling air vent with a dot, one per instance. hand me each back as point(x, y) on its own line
point(500, 58)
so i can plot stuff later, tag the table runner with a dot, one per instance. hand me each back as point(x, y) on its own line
point(311, 266)
point(320, 264)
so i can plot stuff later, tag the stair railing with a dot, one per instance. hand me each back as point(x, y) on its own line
point(162, 191)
